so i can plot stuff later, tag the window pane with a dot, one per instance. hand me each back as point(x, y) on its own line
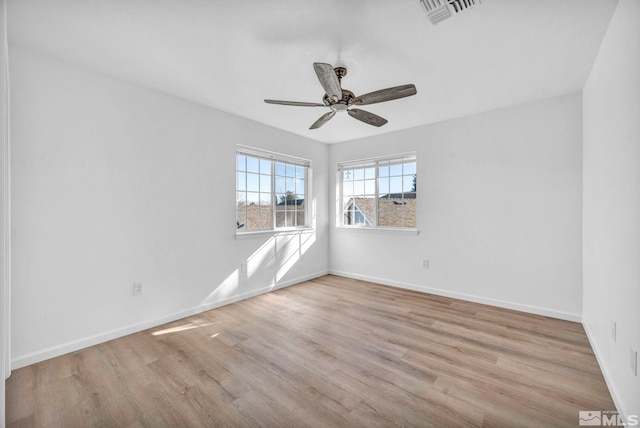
point(383, 170)
point(396, 214)
point(291, 218)
point(358, 174)
point(291, 186)
point(241, 199)
point(395, 185)
point(410, 216)
point(265, 166)
point(395, 169)
point(348, 218)
point(383, 186)
point(280, 217)
point(384, 213)
point(280, 169)
point(241, 181)
point(370, 173)
point(253, 164)
point(265, 183)
point(358, 187)
point(347, 175)
point(291, 170)
point(299, 172)
point(253, 198)
point(241, 162)
point(265, 199)
point(407, 183)
point(241, 219)
point(253, 182)
point(253, 218)
point(347, 189)
point(265, 219)
point(409, 168)
point(369, 187)
point(300, 188)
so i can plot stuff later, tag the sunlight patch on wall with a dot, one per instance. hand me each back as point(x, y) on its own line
point(266, 266)
point(225, 289)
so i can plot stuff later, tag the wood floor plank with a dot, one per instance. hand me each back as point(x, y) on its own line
point(330, 352)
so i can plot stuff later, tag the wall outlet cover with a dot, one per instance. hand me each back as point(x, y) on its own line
point(138, 288)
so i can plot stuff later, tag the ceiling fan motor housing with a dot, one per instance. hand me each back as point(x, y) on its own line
point(342, 104)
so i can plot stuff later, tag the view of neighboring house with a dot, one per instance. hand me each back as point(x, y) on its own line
point(390, 210)
point(289, 213)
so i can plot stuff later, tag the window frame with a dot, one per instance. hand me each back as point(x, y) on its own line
point(374, 163)
point(274, 158)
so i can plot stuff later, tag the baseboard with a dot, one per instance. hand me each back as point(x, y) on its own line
point(567, 316)
point(55, 351)
point(605, 371)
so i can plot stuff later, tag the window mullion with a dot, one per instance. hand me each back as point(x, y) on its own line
point(273, 195)
point(376, 194)
point(307, 207)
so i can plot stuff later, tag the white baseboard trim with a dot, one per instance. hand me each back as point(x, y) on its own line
point(567, 316)
point(605, 372)
point(55, 351)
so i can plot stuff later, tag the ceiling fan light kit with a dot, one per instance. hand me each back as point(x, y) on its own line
point(439, 10)
point(339, 99)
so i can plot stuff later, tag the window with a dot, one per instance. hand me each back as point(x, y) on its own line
point(270, 190)
point(379, 192)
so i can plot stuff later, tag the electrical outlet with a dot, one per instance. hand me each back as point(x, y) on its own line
point(425, 263)
point(634, 362)
point(614, 331)
point(138, 288)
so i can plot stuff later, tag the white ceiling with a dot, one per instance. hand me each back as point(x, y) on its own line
point(231, 55)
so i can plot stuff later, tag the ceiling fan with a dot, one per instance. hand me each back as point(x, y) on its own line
point(338, 99)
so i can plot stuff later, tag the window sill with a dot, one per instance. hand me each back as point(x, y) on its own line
point(387, 230)
point(269, 233)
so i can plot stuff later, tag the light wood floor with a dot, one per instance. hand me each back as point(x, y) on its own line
point(328, 352)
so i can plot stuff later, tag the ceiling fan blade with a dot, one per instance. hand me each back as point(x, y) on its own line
point(386, 95)
point(294, 103)
point(323, 119)
point(328, 79)
point(366, 117)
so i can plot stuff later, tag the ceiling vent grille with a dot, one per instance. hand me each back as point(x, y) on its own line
point(439, 10)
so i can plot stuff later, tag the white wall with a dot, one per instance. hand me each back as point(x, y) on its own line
point(5, 367)
point(499, 210)
point(114, 183)
point(612, 203)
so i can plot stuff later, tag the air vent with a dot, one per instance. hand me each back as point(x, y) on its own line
point(439, 10)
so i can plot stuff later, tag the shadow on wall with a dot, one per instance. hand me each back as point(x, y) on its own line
point(265, 268)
